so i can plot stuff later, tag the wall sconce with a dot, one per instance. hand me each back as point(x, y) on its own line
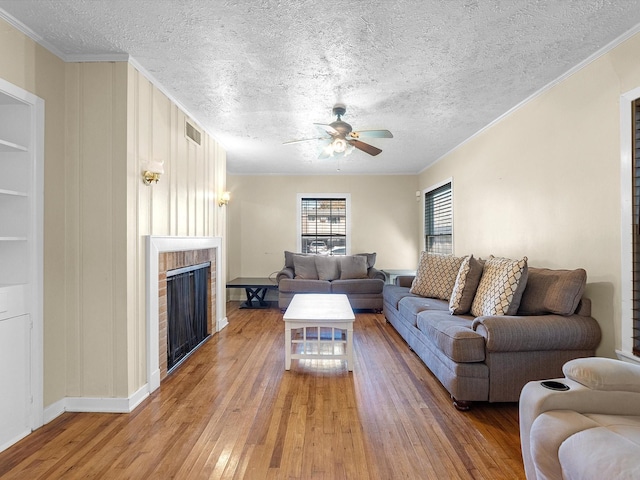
point(224, 199)
point(152, 171)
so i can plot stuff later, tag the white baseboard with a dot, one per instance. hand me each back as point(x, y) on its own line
point(96, 405)
point(221, 324)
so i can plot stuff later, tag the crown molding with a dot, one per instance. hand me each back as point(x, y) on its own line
point(590, 59)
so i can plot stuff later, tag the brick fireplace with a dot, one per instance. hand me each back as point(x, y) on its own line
point(169, 253)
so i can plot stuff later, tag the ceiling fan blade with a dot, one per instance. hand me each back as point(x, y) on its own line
point(365, 147)
point(305, 140)
point(372, 133)
point(327, 128)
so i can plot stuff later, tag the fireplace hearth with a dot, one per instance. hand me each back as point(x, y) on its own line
point(165, 254)
point(187, 306)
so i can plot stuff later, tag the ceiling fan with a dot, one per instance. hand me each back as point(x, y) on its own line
point(342, 138)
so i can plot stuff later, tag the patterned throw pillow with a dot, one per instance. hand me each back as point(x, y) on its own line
point(436, 275)
point(500, 288)
point(466, 285)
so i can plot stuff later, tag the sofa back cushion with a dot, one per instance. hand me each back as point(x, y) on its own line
point(371, 258)
point(500, 288)
point(328, 267)
point(353, 266)
point(466, 284)
point(288, 258)
point(552, 291)
point(305, 267)
point(436, 275)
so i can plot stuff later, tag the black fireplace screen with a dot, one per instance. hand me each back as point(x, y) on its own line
point(187, 305)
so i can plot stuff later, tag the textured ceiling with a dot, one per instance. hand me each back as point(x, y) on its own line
point(256, 73)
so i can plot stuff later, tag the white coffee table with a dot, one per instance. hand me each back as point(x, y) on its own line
point(326, 324)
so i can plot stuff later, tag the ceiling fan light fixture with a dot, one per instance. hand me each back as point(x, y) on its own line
point(339, 145)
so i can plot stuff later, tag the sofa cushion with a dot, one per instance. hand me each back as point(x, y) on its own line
point(328, 267)
point(464, 289)
point(500, 288)
point(436, 275)
point(409, 307)
point(353, 266)
point(552, 291)
point(289, 286)
point(371, 258)
point(452, 335)
point(305, 267)
point(609, 451)
point(394, 293)
point(288, 258)
point(359, 286)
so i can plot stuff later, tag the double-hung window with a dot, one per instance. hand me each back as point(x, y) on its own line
point(324, 223)
point(635, 159)
point(438, 219)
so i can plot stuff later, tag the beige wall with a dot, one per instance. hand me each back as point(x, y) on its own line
point(263, 218)
point(545, 182)
point(123, 121)
point(33, 68)
point(182, 203)
point(102, 120)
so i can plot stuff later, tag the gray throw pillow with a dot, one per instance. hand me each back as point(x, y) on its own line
point(328, 267)
point(371, 258)
point(305, 267)
point(552, 291)
point(353, 266)
point(466, 285)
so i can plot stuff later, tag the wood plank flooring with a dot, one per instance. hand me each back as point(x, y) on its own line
point(232, 412)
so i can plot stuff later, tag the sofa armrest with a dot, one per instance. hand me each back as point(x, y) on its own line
point(540, 332)
point(404, 280)
point(375, 273)
point(286, 272)
point(536, 400)
point(604, 374)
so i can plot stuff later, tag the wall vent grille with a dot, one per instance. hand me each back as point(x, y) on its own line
point(192, 133)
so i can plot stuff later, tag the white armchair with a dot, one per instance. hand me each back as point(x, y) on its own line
point(591, 431)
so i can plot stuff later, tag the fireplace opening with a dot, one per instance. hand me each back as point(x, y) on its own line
point(187, 311)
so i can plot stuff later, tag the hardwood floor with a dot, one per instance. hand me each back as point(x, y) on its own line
point(231, 411)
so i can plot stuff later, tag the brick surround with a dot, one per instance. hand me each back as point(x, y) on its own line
point(168, 261)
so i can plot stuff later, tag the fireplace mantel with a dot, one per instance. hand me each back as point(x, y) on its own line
point(155, 246)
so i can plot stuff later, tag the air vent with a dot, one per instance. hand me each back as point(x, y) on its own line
point(192, 133)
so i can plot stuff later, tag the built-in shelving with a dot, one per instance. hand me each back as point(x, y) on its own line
point(21, 253)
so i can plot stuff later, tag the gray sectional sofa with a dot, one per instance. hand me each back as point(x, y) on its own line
point(353, 275)
point(486, 333)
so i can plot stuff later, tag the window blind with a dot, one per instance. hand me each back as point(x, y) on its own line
point(636, 227)
point(438, 220)
point(324, 225)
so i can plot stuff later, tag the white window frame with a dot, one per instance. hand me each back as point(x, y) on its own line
point(424, 206)
point(300, 196)
point(626, 221)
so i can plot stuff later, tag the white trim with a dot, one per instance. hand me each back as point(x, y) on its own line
point(424, 192)
point(627, 357)
point(156, 245)
point(35, 246)
point(53, 411)
point(626, 221)
point(300, 196)
point(96, 405)
point(21, 27)
point(591, 58)
point(104, 57)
